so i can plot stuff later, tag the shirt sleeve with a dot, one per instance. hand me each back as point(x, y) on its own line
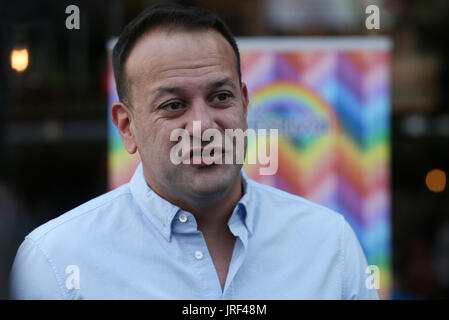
point(355, 278)
point(32, 275)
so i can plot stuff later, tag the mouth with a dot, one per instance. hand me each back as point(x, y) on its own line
point(206, 157)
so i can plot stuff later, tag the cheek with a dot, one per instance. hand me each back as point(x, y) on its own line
point(235, 119)
point(156, 142)
point(146, 137)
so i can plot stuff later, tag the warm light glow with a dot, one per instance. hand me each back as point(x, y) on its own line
point(436, 180)
point(19, 59)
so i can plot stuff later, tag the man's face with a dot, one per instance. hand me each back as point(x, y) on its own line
point(175, 78)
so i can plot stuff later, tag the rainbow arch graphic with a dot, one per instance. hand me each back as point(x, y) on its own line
point(306, 147)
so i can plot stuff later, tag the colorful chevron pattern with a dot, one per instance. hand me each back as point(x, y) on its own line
point(332, 111)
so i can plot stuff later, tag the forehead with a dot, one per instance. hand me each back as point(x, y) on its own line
point(162, 54)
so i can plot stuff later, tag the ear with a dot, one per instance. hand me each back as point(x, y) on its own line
point(122, 119)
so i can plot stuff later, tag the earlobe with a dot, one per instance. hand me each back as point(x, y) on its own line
point(122, 119)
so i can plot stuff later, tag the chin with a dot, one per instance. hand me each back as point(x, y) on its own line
point(214, 180)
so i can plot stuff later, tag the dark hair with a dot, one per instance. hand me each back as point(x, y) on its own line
point(170, 16)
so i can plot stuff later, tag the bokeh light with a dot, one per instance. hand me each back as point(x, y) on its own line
point(436, 180)
point(19, 60)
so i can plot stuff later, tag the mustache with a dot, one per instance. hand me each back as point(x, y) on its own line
point(187, 147)
point(207, 150)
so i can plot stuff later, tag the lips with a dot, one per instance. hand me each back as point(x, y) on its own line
point(206, 156)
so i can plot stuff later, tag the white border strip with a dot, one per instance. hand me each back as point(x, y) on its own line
point(339, 43)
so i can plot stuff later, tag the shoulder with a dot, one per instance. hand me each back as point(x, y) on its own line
point(290, 205)
point(86, 214)
point(40, 264)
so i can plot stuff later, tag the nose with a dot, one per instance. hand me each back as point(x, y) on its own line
point(201, 112)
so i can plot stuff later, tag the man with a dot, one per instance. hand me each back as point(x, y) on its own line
point(187, 231)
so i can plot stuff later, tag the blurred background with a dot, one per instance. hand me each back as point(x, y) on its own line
point(53, 115)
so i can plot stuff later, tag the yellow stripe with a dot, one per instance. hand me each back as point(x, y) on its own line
point(283, 89)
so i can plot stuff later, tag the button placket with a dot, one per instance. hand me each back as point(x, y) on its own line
point(195, 247)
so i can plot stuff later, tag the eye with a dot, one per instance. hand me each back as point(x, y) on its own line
point(222, 97)
point(173, 106)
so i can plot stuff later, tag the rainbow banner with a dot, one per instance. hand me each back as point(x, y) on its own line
point(329, 98)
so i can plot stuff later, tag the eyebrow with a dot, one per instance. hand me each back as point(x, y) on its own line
point(221, 83)
point(178, 90)
point(166, 90)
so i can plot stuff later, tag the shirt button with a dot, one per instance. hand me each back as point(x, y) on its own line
point(182, 218)
point(166, 231)
point(198, 255)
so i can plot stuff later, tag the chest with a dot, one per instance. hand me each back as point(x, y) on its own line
point(221, 248)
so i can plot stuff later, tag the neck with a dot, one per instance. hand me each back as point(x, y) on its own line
point(215, 215)
point(212, 213)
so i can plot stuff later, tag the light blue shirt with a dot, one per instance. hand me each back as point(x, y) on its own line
point(132, 244)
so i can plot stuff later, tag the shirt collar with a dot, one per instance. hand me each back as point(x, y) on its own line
point(162, 212)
